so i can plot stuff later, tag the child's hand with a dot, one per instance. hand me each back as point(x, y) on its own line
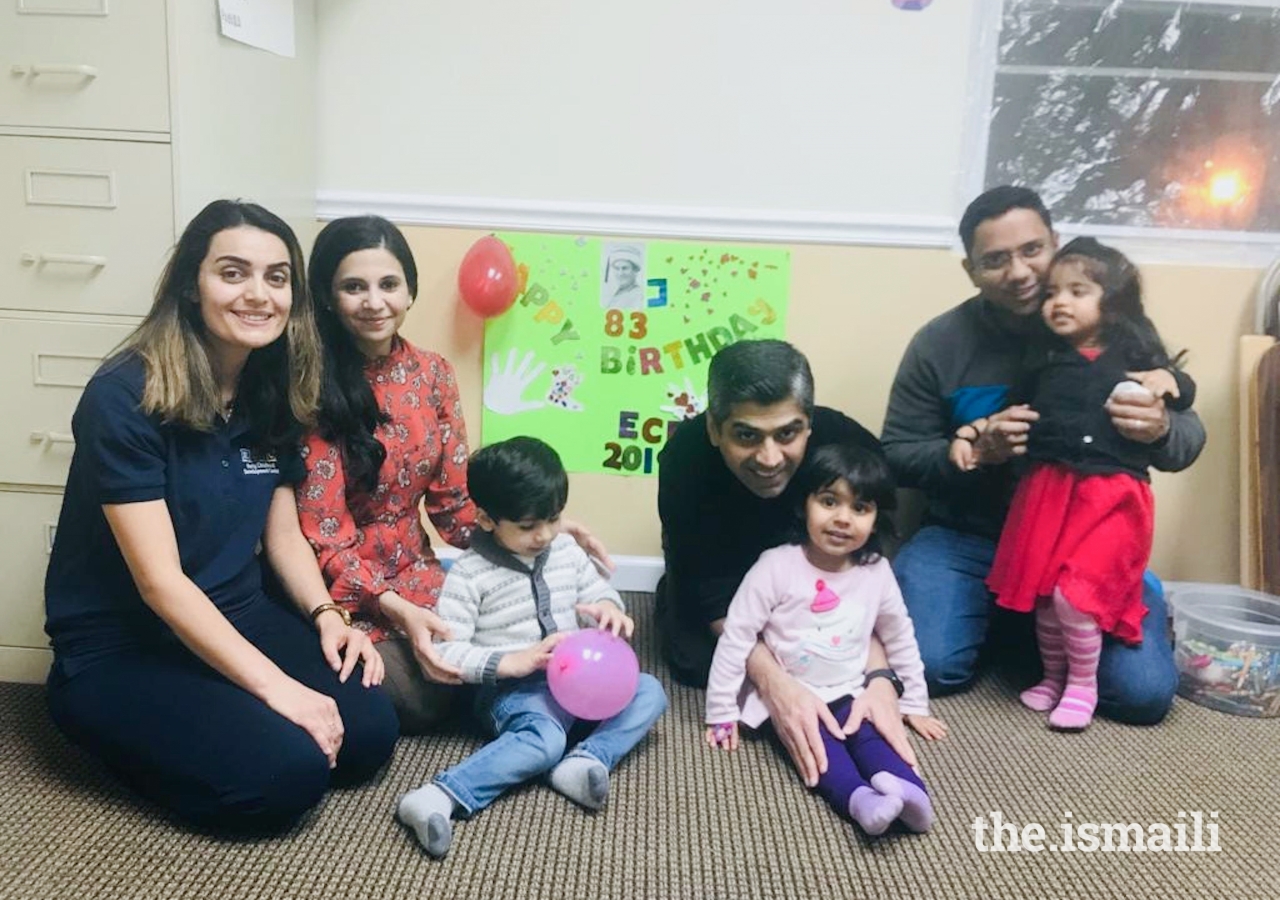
point(530, 659)
point(962, 455)
point(927, 727)
point(1158, 381)
point(608, 616)
point(725, 735)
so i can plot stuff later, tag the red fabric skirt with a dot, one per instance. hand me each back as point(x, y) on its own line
point(1087, 535)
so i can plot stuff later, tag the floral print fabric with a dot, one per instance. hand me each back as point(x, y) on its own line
point(371, 543)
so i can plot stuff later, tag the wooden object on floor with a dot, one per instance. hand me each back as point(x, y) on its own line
point(1253, 348)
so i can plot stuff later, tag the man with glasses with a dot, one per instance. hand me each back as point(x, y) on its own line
point(956, 369)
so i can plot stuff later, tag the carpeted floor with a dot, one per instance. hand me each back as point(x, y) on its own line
point(683, 821)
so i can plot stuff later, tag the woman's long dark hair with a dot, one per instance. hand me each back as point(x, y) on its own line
point(349, 411)
point(1124, 321)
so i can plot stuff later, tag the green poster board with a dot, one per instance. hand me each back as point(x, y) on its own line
point(606, 347)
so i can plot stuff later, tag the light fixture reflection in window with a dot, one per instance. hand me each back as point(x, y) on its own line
point(1217, 185)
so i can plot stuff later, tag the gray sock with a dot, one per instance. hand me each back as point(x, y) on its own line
point(428, 811)
point(582, 779)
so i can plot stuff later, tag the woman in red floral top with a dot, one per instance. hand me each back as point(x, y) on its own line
point(391, 440)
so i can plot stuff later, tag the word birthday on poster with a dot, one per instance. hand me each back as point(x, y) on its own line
point(605, 351)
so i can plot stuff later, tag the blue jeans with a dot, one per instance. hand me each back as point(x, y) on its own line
point(531, 735)
point(943, 578)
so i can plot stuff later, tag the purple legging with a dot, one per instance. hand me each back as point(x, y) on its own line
point(852, 762)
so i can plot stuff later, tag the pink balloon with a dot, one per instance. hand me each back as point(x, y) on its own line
point(593, 674)
point(487, 277)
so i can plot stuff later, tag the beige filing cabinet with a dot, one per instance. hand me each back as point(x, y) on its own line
point(119, 120)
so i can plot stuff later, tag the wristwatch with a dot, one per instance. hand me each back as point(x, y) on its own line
point(325, 607)
point(891, 675)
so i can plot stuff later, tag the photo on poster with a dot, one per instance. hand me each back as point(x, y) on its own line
point(622, 280)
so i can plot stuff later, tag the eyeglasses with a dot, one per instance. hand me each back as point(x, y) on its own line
point(1000, 260)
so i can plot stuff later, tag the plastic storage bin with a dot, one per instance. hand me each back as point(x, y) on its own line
point(1227, 648)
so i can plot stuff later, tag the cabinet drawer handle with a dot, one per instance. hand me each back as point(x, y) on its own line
point(47, 438)
point(37, 69)
point(63, 259)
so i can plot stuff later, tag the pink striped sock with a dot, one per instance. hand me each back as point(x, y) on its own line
point(1045, 695)
point(1083, 639)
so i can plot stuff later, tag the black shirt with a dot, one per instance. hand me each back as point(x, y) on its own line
point(1070, 392)
point(713, 527)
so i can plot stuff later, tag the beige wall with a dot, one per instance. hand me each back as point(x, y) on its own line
point(853, 309)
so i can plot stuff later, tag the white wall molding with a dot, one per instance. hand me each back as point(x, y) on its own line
point(26, 665)
point(782, 227)
point(637, 573)
point(1183, 247)
point(1145, 245)
point(633, 573)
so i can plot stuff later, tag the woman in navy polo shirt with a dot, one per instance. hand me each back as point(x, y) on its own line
point(171, 664)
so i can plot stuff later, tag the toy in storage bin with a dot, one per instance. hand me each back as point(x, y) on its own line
point(1227, 648)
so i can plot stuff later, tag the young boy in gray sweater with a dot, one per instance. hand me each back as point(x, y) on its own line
point(508, 600)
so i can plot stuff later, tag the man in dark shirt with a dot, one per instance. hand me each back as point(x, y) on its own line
point(723, 499)
point(958, 368)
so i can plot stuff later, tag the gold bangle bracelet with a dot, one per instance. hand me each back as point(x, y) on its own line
point(325, 607)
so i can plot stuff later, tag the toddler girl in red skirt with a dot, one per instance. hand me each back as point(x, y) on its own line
point(1078, 535)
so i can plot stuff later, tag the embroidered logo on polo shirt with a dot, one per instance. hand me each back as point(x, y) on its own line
point(258, 465)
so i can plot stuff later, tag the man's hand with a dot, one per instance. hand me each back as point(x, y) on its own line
point(1158, 381)
point(1137, 418)
point(798, 715)
point(1005, 435)
point(590, 544)
point(608, 617)
point(878, 704)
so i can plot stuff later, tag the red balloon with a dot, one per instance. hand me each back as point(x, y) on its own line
point(487, 277)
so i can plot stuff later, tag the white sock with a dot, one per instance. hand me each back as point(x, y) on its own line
point(428, 811)
point(582, 779)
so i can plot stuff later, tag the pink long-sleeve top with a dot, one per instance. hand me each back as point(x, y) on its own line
point(818, 624)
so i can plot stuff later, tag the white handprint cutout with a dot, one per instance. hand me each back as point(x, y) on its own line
point(505, 391)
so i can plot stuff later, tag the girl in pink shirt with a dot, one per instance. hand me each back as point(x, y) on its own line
point(815, 605)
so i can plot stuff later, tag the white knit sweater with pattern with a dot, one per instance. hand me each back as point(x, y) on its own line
point(494, 605)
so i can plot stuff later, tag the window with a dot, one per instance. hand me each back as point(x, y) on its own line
point(1152, 114)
